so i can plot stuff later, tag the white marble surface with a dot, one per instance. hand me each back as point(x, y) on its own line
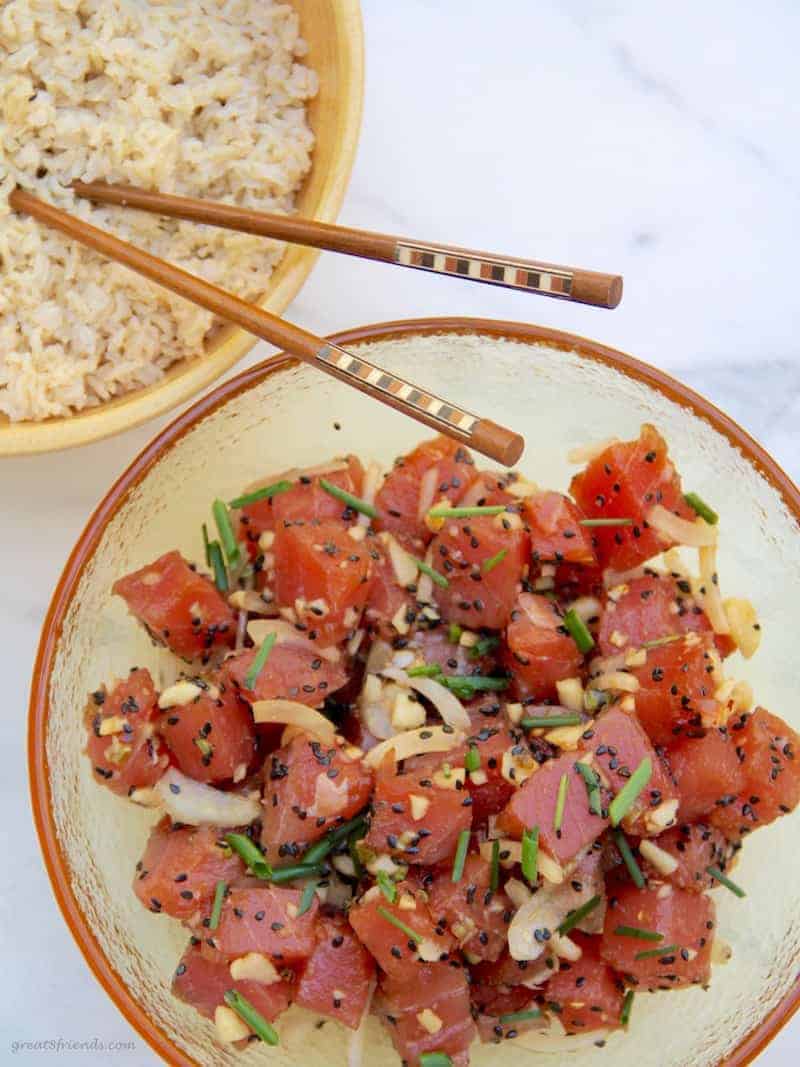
point(658, 140)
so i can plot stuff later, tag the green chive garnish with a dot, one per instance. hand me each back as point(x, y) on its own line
point(352, 848)
point(472, 760)
point(328, 843)
point(454, 633)
point(657, 642)
point(261, 658)
point(651, 953)
point(465, 686)
point(578, 915)
point(251, 854)
point(626, 797)
point(435, 1059)
point(427, 670)
point(699, 507)
point(412, 935)
point(388, 888)
point(592, 782)
point(466, 513)
point(260, 494)
point(217, 564)
point(561, 801)
point(627, 1004)
point(206, 545)
point(628, 858)
point(519, 1016)
point(230, 545)
point(439, 579)
point(723, 879)
point(203, 745)
point(494, 867)
point(639, 933)
point(297, 870)
point(254, 1019)
point(351, 501)
point(545, 722)
point(216, 910)
point(307, 898)
point(578, 630)
point(483, 646)
point(530, 855)
point(605, 522)
point(461, 856)
point(491, 563)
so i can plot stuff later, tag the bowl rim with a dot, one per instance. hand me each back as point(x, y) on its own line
point(30, 437)
point(39, 780)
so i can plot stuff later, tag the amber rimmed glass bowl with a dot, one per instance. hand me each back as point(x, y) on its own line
point(560, 391)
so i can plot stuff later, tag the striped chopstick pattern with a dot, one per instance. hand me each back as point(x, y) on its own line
point(515, 274)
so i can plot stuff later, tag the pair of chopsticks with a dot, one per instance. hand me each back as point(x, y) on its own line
point(498, 443)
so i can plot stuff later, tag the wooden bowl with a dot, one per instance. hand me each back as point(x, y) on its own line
point(561, 391)
point(334, 34)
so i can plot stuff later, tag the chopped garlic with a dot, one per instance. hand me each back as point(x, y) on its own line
point(517, 768)
point(663, 861)
point(479, 777)
point(254, 967)
point(179, 694)
point(468, 639)
point(450, 778)
point(429, 1021)
point(406, 902)
point(407, 713)
point(570, 693)
point(419, 806)
point(229, 1026)
point(616, 680)
point(658, 819)
point(515, 712)
point(358, 533)
point(566, 737)
point(114, 724)
point(399, 620)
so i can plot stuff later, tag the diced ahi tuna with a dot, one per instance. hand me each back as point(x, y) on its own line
point(587, 993)
point(179, 607)
point(309, 789)
point(337, 978)
point(684, 919)
point(439, 468)
point(490, 739)
point(305, 501)
point(625, 481)
point(708, 772)
point(212, 737)
point(694, 847)
point(491, 1003)
point(539, 651)
point(266, 920)
point(439, 997)
point(556, 532)
point(535, 802)
point(323, 575)
point(504, 973)
point(476, 916)
point(418, 812)
point(489, 489)
point(484, 563)
point(395, 952)
point(291, 672)
point(180, 868)
point(203, 983)
point(388, 600)
point(767, 748)
point(435, 647)
point(124, 751)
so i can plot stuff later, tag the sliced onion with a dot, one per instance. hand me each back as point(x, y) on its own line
point(427, 489)
point(372, 479)
point(404, 566)
point(586, 453)
point(294, 714)
point(425, 582)
point(412, 743)
point(286, 634)
point(706, 591)
point(380, 656)
point(545, 911)
point(616, 681)
point(675, 530)
point(201, 805)
point(446, 703)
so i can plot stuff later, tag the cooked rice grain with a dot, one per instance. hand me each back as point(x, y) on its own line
point(195, 97)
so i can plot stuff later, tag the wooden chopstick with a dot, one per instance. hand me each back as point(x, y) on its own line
point(531, 276)
point(498, 443)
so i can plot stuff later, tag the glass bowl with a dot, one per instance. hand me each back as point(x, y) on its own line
point(559, 391)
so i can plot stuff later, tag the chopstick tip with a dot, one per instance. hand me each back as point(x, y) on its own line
point(498, 443)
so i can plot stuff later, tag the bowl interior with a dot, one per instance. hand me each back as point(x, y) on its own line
point(332, 29)
point(291, 416)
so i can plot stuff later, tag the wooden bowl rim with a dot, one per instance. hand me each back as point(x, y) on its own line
point(38, 768)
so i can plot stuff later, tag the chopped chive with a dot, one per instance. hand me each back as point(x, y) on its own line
point(626, 797)
point(639, 933)
point(492, 562)
point(216, 910)
point(218, 566)
point(657, 642)
point(699, 507)
point(266, 493)
point(605, 522)
point(465, 686)
point(578, 630)
point(427, 670)
point(472, 760)
point(651, 953)
point(454, 633)
point(426, 568)
point(261, 658)
point(544, 722)
point(435, 1059)
point(466, 513)
point(251, 854)
point(230, 545)
point(297, 870)
point(461, 856)
point(561, 801)
point(592, 782)
point(307, 898)
point(578, 915)
point(628, 858)
point(254, 1019)
point(519, 1016)
point(530, 855)
point(627, 1004)
point(483, 646)
point(206, 545)
point(203, 745)
point(494, 867)
point(352, 848)
point(351, 501)
point(328, 843)
point(723, 879)
point(412, 935)
point(388, 888)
